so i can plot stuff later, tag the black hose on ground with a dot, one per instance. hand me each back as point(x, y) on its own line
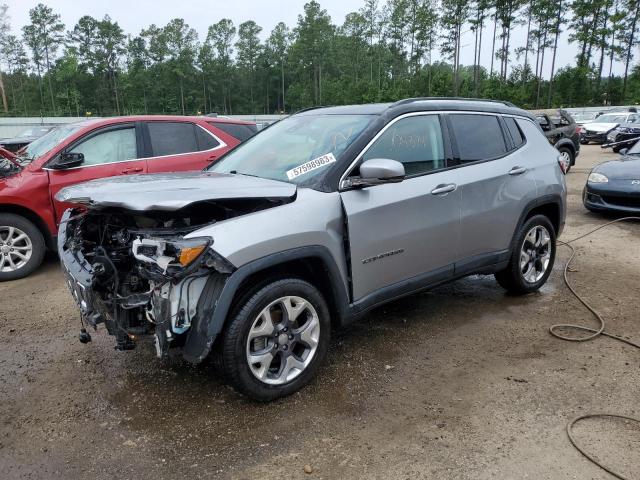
point(593, 333)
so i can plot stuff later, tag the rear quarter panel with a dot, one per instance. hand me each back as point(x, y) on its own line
point(550, 181)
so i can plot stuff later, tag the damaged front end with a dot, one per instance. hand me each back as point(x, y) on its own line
point(134, 258)
point(140, 275)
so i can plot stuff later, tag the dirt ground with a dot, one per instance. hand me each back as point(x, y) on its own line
point(462, 382)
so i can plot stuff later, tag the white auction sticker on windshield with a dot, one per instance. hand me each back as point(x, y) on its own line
point(311, 165)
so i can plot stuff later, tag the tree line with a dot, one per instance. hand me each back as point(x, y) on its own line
point(382, 52)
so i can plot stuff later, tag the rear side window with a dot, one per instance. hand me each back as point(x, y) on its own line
point(416, 142)
point(479, 137)
point(206, 141)
point(236, 130)
point(172, 138)
point(514, 131)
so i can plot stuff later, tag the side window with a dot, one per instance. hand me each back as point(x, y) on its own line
point(416, 142)
point(172, 138)
point(479, 137)
point(514, 131)
point(205, 140)
point(239, 131)
point(108, 147)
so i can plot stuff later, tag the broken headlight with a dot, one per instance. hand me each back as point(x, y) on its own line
point(169, 253)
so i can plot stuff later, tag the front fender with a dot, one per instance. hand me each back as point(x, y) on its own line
point(216, 299)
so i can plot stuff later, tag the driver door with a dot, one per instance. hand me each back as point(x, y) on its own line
point(108, 152)
point(404, 235)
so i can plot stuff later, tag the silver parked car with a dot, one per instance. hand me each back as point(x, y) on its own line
point(310, 224)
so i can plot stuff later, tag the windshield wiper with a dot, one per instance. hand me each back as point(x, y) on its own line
point(235, 172)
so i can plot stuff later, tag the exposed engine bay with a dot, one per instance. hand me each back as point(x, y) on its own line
point(139, 273)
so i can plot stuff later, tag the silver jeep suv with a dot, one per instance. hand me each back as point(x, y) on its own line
point(310, 224)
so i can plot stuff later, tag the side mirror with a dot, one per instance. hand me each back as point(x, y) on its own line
point(68, 160)
point(623, 151)
point(376, 172)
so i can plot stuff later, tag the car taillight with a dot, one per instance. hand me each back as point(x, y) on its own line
point(563, 165)
point(579, 129)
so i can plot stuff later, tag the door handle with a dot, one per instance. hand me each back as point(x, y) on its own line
point(442, 189)
point(126, 171)
point(517, 171)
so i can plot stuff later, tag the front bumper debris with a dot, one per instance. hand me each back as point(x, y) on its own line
point(168, 307)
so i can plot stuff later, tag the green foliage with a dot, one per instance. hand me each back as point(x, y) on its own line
point(382, 52)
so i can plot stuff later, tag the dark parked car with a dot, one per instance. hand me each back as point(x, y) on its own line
point(615, 185)
point(624, 135)
point(25, 137)
point(562, 132)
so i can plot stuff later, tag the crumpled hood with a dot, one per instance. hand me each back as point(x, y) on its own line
point(172, 191)
point(599, 127)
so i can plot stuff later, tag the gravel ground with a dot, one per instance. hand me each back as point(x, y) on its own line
point(462, 382)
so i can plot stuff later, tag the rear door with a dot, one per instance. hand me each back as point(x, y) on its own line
point(174, 146)
point(496, 183)
point(407, 230)
point(108, 152)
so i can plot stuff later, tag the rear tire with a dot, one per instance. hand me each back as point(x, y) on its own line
point(22, 247)
point(533, 253)
point(277, 338)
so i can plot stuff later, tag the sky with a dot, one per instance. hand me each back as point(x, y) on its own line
point(134, 15)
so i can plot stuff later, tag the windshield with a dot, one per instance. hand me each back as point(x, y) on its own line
point(45, 143)
point(611, 118)
point(295, 149)
point(33, 132)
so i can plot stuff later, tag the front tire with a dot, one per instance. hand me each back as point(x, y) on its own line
point(276, 340)
point(532, 256)
point(22, 247)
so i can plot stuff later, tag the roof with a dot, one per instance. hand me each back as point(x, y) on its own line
point(420, 104)
point(364, 109)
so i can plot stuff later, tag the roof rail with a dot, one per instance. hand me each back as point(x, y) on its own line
point(419, 99)
point(307, 109)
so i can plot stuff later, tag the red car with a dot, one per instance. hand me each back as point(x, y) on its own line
point(91, 149)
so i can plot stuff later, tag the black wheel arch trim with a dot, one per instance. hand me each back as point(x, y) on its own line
point(216, 300)
point(566, 142)
point(550, 199)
